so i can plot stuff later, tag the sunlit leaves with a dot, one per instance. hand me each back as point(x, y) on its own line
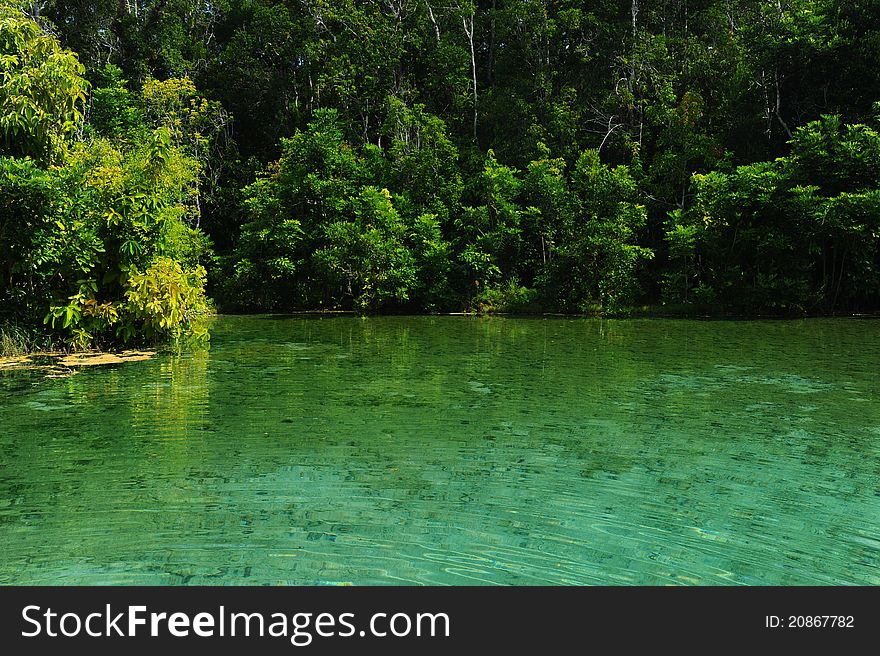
point(42, 91)
point(167, 300)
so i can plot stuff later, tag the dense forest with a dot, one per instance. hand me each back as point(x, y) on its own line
point(582, 156)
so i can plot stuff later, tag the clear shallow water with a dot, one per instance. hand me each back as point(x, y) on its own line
point(446, 450)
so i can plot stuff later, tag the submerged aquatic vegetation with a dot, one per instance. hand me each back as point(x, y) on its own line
point(92, 359)
point(58, 364)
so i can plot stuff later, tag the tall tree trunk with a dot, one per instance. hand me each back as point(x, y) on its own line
point(637, 109)
point(468, 24)
point(778, 104)
point(434, 23)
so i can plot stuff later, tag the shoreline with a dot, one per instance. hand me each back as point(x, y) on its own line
point(635, 313)
point(42, 346)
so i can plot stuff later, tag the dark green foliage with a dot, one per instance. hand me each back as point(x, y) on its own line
point(500, 155)
point(798, 234)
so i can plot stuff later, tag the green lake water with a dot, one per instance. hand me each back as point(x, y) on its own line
point(454, 450)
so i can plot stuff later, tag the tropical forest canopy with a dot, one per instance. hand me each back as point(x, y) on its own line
point(591, 156)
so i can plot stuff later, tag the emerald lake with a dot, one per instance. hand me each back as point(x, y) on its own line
point(454, 450)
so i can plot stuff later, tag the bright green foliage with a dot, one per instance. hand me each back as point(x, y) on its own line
point(434, 259)
point(32, 247)
point(99, 244)
point(42, 91)
point(264, 274)
point(165, 301)
point(287, 209)
point(321, 233)
point(143, 199)
point(114, 110)
point(552, 208)
point(125, 213)
point(508, 297)
point(552, 240)
point(594, 232)
point(196, 123)
point(366, 255)
point(83, 318)
point(491, 231)
point(423, 159)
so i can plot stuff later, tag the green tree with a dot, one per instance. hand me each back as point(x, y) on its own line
point(490, 234)
point(795, 235)
point(596, 250)
point(365, 256)
point(42, 91)
point(114, 109)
